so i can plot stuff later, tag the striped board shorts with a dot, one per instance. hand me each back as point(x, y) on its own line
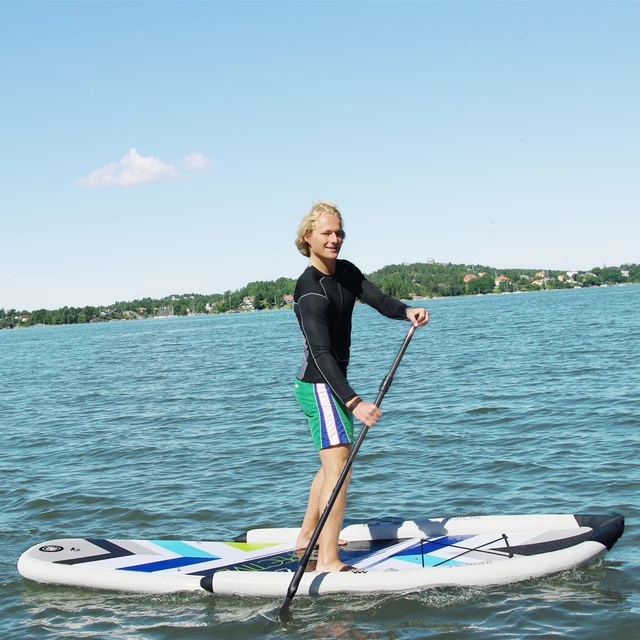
point(330, 422)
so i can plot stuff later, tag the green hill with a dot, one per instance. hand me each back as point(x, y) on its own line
point(404, 281)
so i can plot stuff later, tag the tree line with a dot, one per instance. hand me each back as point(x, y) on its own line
point(402, 281)
point(423, 280)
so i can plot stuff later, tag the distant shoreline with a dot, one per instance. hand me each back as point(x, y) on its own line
point(289, 308)
point(406, 281)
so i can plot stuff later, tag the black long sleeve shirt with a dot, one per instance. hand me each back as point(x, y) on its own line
point(323, 305)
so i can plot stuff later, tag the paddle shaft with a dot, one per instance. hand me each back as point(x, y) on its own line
point(384, 387)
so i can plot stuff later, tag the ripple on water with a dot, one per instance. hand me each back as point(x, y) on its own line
point(187, 428)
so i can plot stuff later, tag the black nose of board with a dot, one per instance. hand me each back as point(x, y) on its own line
point(207, 583)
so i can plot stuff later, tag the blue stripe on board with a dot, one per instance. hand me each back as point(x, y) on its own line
point(184, 549)
point(170, 563)
point(429, 546)
point(409, 551)
point(419, 553)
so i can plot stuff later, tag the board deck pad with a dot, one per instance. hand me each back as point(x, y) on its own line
point(205, 558)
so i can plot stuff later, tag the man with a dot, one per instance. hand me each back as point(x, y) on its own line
point(323, 301)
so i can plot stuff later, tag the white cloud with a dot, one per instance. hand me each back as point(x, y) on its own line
point(132, 169)
point(196, 160)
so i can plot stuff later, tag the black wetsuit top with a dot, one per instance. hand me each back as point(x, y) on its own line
point(324, 305)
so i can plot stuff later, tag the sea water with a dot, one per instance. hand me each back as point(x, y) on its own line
point(187, 428)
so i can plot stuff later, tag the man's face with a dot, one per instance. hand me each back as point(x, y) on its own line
point(325, 241)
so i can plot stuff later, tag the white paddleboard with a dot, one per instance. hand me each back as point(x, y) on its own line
point(397, 556)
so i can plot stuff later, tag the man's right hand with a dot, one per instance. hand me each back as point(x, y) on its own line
point(367, 413)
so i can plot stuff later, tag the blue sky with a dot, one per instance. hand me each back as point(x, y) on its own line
point(153, 148)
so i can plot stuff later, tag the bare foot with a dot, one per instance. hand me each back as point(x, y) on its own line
point(330, 568)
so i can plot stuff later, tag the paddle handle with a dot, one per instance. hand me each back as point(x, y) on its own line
point(384, 387)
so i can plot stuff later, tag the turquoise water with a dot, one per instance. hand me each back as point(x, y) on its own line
point(187, 428)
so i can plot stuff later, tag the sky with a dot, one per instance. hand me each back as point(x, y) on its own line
point(158, 148)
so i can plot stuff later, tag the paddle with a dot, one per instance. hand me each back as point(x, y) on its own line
point(384, 387)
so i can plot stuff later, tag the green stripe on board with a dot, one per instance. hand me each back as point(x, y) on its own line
point(251, 546)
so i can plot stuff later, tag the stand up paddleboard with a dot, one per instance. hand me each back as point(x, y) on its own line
point(397, 555)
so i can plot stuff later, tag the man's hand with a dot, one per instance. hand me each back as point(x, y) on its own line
point(367, 413)
point(418, 316)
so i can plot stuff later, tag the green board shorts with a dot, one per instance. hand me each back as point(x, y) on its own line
point(330, 422)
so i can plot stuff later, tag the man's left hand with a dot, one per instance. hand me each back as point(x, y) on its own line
point(419, 317)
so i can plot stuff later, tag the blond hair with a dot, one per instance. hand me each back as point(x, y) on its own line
point(308, 223)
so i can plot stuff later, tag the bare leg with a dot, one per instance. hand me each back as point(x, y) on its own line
point(333, 460)
point(312, 515)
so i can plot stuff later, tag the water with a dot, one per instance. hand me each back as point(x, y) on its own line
point(187, 428)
